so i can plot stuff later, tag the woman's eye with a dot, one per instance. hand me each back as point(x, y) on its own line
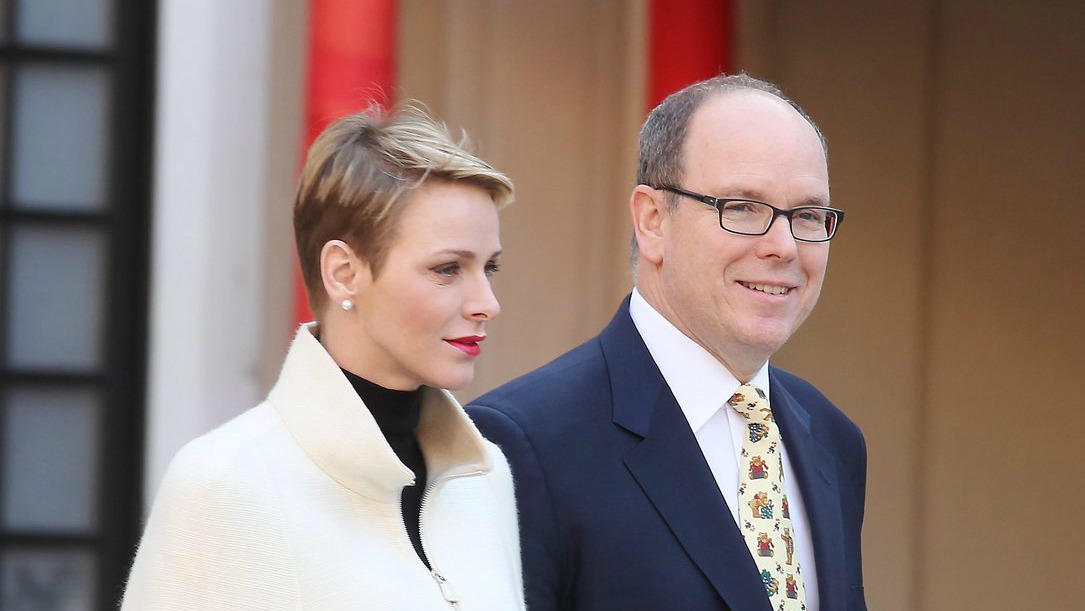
point(492, 268)
point(450, 269)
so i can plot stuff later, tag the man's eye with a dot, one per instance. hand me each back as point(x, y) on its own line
point(740, 207)
point(811, 216)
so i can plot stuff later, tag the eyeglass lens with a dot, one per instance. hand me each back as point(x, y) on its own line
point(807, 223)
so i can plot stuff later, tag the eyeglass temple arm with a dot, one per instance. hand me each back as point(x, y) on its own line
point(704, 199)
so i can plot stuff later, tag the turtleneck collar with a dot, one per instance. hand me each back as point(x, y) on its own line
point(396, 411)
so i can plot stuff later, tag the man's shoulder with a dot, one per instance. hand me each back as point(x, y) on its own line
point(812, 400)
point(571, 378)
point(795, 384)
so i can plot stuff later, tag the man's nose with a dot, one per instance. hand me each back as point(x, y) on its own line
point(779, 241)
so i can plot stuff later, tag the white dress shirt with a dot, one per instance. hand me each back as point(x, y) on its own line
point(702, 385)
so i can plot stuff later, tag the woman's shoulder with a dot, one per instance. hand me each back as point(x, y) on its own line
point(215, 538)
point(225, 453)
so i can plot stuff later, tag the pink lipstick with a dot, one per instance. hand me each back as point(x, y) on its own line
point(469, 344)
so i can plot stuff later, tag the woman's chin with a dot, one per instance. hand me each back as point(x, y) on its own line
point(452, 380)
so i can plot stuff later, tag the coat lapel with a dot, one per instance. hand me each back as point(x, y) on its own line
point(815, 471)
point(670, 469)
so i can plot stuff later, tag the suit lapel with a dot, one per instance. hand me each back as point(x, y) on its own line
point(815, 471)
point(669, 467)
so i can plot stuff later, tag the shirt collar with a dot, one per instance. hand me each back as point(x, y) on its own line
point(699, 382)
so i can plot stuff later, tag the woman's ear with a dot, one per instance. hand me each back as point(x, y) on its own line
point(343, 273)
point(648, 209)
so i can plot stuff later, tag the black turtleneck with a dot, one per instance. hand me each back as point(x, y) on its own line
point(396, 413)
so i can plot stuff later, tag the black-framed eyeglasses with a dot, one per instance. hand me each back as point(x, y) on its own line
point(751, 217)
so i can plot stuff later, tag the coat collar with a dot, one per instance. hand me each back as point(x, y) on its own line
point(328, 420)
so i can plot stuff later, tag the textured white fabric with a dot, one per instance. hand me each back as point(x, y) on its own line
point(294, 505)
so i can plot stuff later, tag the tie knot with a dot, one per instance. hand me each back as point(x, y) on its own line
point(751, 402)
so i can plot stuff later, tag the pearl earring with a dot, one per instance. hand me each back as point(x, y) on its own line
point(347, 305)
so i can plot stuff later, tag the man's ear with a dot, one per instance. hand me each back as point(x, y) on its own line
point(343, 273)
point(648, 207)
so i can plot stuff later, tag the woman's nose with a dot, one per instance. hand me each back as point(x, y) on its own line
point(484, 304)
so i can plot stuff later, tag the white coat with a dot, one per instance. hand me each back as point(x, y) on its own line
point(295, 505)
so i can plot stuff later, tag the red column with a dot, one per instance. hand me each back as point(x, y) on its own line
point(690, 40)
point(352, 53)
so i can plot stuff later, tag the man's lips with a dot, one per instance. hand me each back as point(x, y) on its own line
point(767, 288)
point(469, 344)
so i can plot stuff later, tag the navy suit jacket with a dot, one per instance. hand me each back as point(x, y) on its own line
point(618, 508)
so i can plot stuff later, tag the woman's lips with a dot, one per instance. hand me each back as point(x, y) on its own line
point(468, 345)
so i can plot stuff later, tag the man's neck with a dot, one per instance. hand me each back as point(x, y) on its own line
point(743, 366)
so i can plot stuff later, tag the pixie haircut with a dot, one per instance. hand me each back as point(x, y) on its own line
point(663, 136)
point(361, 172)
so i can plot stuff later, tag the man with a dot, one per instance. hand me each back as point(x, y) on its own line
point(640, 482)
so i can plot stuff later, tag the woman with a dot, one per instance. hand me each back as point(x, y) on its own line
point(359, 483)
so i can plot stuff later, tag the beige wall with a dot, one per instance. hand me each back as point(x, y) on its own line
point(1007, 343)
point(551, 93)
point(952, 125)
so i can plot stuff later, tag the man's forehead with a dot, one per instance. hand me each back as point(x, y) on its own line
point(750, 144)
point(744, 109)
point(750, 121)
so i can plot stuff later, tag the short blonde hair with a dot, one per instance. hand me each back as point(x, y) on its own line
point(361, 171)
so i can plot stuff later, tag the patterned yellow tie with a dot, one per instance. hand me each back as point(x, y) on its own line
point(762, 502)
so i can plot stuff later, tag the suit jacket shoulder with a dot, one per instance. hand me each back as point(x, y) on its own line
point(555, 384)
point(845, 433)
